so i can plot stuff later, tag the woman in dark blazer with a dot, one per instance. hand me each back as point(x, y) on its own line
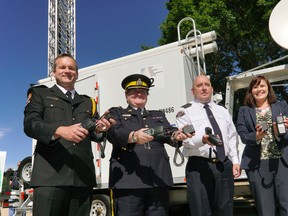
point(265, 157)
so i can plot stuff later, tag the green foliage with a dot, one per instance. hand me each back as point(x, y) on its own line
point(243, 36)
point(144, 47)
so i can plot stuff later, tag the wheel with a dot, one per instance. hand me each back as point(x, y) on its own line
point(25, 170)
point(100, 206)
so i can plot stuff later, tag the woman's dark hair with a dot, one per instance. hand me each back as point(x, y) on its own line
point(249, 99)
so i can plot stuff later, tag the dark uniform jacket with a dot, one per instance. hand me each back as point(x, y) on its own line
point(131, 165)
point(246, 123)
point(59, 162)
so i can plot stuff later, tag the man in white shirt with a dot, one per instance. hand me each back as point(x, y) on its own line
point(210, 181)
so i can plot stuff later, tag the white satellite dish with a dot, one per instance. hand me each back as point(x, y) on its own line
point(278, 24)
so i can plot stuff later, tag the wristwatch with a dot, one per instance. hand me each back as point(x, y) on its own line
point(134, 139)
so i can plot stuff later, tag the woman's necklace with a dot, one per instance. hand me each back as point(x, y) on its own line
point(262, 110)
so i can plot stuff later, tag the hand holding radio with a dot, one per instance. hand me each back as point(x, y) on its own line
point(168, 131)
point(214, 139)
point(169, 134)
point(98, 124)
point(264, 126)
point(281, 124)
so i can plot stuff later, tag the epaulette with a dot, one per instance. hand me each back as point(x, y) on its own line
point(154, 111)
point(186, 105)
point(85, 96)
point(116, 107)
point(33, 87)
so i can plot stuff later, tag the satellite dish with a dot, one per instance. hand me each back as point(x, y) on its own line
point(278, 24)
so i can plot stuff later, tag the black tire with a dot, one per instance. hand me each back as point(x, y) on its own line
point(100, 206)
point(25, 170)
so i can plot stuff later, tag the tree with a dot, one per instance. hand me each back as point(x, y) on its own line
point(243, 36)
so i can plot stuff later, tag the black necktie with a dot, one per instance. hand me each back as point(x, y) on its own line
point(139, 111)
point(220, 149)
point(69, 95)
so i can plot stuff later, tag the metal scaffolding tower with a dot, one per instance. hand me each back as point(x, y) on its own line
point(61, 30)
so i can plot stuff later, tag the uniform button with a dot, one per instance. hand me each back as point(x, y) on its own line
point(144, 118)
point(74, 144)
point(73, 119)
point(146, 126)
point(118, 158)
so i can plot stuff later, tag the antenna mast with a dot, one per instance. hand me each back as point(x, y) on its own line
point(61, 30)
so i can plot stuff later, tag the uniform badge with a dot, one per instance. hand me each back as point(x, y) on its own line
point(139, 82)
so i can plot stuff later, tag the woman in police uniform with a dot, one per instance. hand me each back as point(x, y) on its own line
point(140, 173)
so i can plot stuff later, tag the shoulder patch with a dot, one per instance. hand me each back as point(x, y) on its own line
point(29, 92)
point(28, 98)
point(186, 105)
point(180, 113)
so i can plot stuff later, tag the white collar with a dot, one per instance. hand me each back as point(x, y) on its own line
point(73, 91)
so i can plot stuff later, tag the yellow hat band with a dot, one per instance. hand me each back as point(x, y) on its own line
point(136, 83)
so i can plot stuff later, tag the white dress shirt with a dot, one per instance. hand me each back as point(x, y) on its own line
point(197, 116)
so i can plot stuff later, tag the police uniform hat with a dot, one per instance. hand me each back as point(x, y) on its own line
point(136, 81)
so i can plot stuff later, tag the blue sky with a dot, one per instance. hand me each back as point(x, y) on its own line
point(105, 30)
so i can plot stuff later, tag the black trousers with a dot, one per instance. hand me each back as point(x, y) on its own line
point(269, 185)
point(62, 201)
point(140, 202)
point(210, 187)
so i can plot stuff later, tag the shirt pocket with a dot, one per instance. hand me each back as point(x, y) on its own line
point(131, 123)
point(84, 113)
point(199, 119)
point(53, 111)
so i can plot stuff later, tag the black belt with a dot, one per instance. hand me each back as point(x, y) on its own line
point(209, 160)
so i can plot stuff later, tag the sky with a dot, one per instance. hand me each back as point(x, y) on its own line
point(105, 30)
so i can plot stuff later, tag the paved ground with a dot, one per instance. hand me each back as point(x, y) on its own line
point(182, 210)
